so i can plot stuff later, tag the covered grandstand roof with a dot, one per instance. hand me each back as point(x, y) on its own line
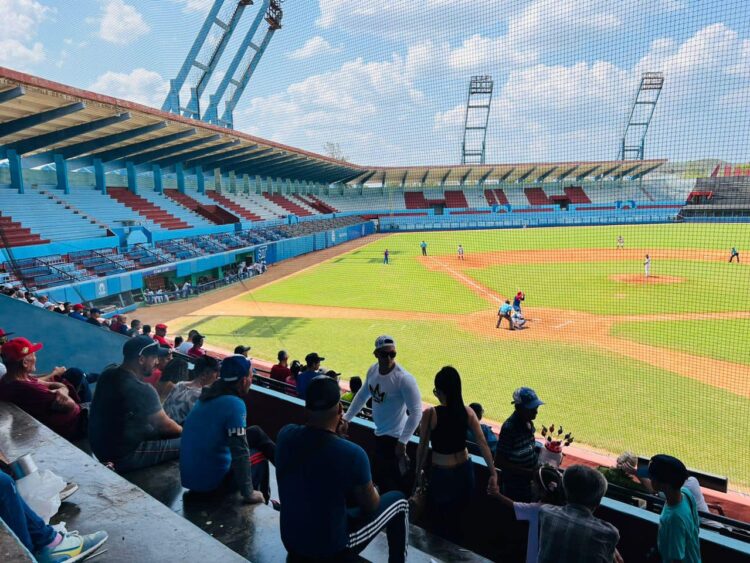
point(472, 174)
point(40, 118)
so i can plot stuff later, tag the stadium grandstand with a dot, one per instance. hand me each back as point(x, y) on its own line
point(149, 250)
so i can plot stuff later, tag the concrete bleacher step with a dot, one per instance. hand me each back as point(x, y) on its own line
point(253, 531)
point(140, 528)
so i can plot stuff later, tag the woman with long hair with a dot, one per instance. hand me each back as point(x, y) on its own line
point(450, 477)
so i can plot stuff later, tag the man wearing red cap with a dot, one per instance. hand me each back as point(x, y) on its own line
point(160, 334)
point(77, 312)
point(50, 399)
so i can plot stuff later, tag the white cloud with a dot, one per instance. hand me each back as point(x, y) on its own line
point(195, 5)
point(120, 23)
point(479, 52)
point(142, 86)
point(313, 47)
point(21, 20)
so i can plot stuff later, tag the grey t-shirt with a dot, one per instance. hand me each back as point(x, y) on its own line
point(118, 420)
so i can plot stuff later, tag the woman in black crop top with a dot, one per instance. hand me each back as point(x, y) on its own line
point(451, 473)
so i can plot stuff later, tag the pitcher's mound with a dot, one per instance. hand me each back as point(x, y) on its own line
point(640, 279)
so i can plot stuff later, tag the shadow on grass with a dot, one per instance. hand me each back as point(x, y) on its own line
point(258, 327)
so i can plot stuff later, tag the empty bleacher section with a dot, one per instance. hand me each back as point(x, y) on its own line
point(536, 196)
point(367, 200)
point(175, 208)
point(287, 204)
point(233, 206)
point(415, 200)
point(103, 207)
point(15, 234)
point(214, 214)
point(576, 194)
point(720, 196)
point(320, 205)
point(147, 209)
point(39, 218)
point(303, 202)
point(455, 199)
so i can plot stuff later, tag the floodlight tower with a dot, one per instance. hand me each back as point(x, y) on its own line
point(477, 116)
point(207, 52)
point(250, 51)
point(639, 119)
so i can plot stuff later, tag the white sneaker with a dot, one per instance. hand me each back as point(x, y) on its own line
point(73, 547)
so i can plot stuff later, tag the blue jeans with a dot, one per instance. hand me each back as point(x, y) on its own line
point(449, 493)
point(25, 523)
point(393, 515)
point(80, 383)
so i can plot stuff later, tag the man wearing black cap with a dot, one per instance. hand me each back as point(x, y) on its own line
point(216, 444)
point(317, 471)
point(127, 424)
point(311, 370)
point(679, 524)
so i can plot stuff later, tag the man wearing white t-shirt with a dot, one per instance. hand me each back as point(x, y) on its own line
point(184, 348)
point(396, 412)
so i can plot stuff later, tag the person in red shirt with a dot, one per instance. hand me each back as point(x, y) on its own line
point(281, 371)
point(197, 350)
point(51, 399)
point(160, 334)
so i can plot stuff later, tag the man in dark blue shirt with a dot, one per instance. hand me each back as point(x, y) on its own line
point(312, 369)
point(317, 471)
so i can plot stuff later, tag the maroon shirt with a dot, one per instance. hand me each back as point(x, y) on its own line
point(36, 398)
point(280, 373)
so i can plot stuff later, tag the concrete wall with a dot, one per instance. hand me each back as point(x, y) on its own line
point(67, 342)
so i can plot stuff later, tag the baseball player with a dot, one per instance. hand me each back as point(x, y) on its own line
point(647, 265)
point(734, 255)
point(620, 242)
point(423, 246)
point(520, 296)
point(460, 252)
point(385, 257)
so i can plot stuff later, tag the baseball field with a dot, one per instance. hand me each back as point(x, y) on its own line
point(624, 362)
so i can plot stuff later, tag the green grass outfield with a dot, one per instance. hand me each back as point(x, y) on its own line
point(725, 339)
point(589, 287)
point(608, 401)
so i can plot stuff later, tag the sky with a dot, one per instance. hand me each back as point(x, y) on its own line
point(387, 80)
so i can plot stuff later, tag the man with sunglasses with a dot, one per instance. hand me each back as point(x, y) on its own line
point(127, 425)
point(396, 412)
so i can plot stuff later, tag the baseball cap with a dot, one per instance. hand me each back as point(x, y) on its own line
point(234, 368)
point(17, 349)
point(140, 346)
point(95, 311)
point(242, 349)
point(78, 307)
point(313, 358)
point(526, 397)
point(164, 351)
point(383, 341)
point(667, 469)
point(3, 333)
point(161, 326)
point(332, 373)
point(322, 393)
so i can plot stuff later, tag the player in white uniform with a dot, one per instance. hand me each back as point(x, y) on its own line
point(460, 252)
point(647, 265)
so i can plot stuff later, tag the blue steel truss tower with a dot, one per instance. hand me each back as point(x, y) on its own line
point(207, 51)
point(639, 119)
point(477, 116)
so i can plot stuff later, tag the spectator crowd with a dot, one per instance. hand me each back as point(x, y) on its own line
point(172, 400)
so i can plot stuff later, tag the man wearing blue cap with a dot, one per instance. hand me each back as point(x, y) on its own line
point(215, 450)
point(516, 448)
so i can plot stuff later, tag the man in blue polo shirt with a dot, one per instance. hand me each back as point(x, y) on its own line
point(504, 313)
point(516, 448)
point(312, 369)
point(317, 471)
point(215, 450)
